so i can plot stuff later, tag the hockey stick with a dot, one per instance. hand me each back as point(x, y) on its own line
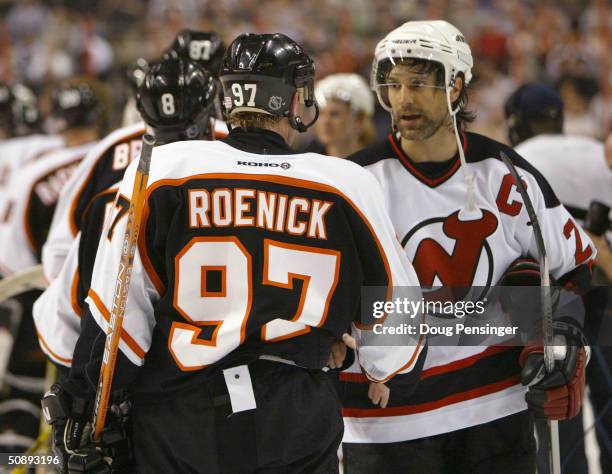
point(128, 249)
point(20, 282)
point(554, 453)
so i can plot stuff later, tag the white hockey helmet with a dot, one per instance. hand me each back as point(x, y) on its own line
point(351, 88)
point(437, 41)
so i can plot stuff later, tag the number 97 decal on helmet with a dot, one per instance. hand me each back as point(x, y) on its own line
point(269, 74)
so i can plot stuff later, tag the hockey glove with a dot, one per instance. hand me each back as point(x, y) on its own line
point(556, 395)
point(520, 301)
point(71, 435)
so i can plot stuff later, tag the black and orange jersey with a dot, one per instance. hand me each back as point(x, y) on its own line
point(246, 249)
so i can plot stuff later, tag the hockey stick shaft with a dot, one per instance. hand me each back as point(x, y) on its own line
point(128, 250)
point(554, 452)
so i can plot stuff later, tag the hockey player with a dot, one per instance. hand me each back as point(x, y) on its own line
point(78, 111)
point(60, 307)
point(106, 163)
point(249, 260)
point(576, 168)
point(574, 165)
point(58, 311)
point(204, 47)
point(461, 222)
point(31, 199)
point(21, 120)
point(345, 122)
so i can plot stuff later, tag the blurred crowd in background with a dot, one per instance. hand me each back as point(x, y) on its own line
point(563, 42)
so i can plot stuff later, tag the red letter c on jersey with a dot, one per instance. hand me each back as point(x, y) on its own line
point(510, 208)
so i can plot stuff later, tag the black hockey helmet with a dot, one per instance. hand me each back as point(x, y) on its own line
point(76, 104)
point(176, 100)
point(19, 112)
point(530, 103)
point(262, 73)
point(204, 47)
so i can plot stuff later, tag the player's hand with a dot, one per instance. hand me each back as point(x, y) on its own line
point(336, 355)
point(67, 429)
point(69, 418)
point(556, 395)
point(379, 394)
point(350, 341)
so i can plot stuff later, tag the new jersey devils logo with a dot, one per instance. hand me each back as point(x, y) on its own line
point(450, 251)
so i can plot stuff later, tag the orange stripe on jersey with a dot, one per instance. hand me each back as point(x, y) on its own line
point(144, 254)
point(74, 289)
point(424, 407)
point(46, 346)
point(75, 201)
point(132, 344)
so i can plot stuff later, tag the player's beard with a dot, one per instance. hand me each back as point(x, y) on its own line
point(424, 128)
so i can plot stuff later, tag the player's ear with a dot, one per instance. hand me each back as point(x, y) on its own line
point(297, 108)
point(457, 87)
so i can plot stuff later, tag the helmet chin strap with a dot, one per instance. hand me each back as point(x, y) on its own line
point(296, 121)
point(469, 210)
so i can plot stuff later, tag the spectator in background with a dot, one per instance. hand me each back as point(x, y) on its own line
point(574, 165)
point(345, 121)
point(576, 169)
point(577, 93)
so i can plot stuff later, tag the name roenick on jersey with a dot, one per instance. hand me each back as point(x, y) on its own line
point(295, 215)
point(236, 261)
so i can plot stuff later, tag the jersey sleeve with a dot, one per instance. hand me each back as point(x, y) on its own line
point(57, 314)
point(379, 361)
point(138, 322)
point(59, 240)
point(567, 245)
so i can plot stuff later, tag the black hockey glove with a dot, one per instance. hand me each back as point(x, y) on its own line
point(521, 302)
point(71, 435)
point(556, 395)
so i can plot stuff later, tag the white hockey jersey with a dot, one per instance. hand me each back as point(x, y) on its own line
point(459, 386)
point(241, 254)
point(574, 166)
point(31, 200)
point(17, 152)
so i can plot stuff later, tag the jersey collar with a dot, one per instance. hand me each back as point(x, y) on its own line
point(431, 178)
point(258, 141)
